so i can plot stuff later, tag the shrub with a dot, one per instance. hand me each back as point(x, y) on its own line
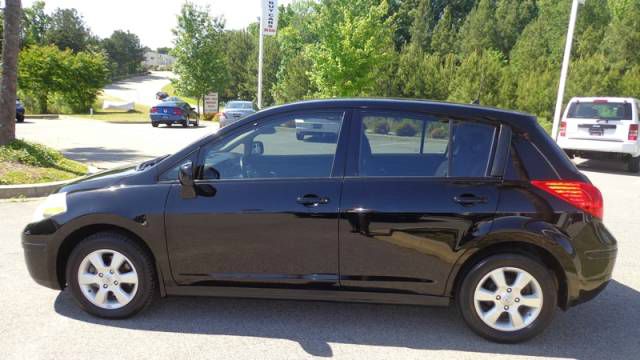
point(381, 127)
point(439, 133)
point(406, 129)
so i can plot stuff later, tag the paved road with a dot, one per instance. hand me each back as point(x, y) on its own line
point(140, 89)
point(107, 145)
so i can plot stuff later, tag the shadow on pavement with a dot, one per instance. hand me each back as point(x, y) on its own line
point(606, 327)
point(617, 167)
point(100, 154)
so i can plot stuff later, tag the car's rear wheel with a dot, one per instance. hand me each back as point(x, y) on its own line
point(20, 118)
point(154, 124)
point(633, 164)
point(300, 136)
point(111, 276)
point(508, 298)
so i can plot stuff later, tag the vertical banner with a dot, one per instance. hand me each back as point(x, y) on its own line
point(269, 17)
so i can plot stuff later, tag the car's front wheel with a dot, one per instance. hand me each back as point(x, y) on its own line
point(508, 298)
point(111, 276)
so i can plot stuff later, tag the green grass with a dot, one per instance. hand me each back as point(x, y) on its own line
point(139, 115)
point(169, 89)
point(28, 163)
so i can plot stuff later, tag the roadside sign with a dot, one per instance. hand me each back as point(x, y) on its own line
point(211, 103)
point(269, 17)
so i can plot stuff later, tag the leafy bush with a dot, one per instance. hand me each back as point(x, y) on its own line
point(439, 132)
point(72, 79)
point(407, 129)
point(382, 127)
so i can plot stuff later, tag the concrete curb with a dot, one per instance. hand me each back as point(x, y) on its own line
point(37, 190)
point(31, 190)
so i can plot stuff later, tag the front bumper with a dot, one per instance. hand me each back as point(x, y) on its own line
point(40, 262)
point(40, 256)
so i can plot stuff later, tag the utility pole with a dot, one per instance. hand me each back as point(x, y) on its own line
point(260, 59)
point(565, 67)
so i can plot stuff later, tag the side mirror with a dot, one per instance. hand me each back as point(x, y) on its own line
point(257, 148)
point(186, 180)
point(210, 173)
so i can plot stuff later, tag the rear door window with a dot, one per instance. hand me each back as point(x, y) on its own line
point(471, 149)
point(405, 144)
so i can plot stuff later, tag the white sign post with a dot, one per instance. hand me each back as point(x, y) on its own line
point(269, 27)
point(211, 103)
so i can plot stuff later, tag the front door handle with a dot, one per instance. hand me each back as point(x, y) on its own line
point(311, 200)
point(470, 199)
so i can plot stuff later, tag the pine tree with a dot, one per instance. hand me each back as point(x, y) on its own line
point(479, 31)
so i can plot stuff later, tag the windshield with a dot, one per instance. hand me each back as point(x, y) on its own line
point(239, 105)
point(600, 110)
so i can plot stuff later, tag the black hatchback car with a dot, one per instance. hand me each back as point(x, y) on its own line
point(412, 202)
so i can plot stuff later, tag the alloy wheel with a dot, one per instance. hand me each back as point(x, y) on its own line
point(508, 299)
point(108, 279)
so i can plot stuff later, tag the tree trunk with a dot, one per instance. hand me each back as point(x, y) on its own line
point(8, 82)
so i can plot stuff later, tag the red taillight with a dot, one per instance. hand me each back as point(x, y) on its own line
point(633, 132)
point(563, 128)
point(579, 194)
point(154, 109)
point(177, 111)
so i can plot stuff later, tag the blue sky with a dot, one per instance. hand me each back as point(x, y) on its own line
point(152, 20)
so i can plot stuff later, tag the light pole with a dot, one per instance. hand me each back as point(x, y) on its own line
point(260, 55)
point(565, 67)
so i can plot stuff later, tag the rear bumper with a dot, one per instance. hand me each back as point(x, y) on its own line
point(596, 252)
point(167, 119)
point(587, 147)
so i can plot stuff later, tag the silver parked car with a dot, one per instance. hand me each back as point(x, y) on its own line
point(236, 110)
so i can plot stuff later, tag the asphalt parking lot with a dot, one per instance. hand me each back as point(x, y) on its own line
point(38, 323)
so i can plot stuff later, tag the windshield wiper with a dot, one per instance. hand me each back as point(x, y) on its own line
point(150, 163)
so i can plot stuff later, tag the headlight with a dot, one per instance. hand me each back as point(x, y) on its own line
point(54, 204)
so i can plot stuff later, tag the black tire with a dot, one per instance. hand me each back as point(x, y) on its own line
point(139, 257)
point(300, 136)
point(169, 124)
point(536, 269)
point(185, 123)
point(20, 118)
point(633, 165)
point(154, 124)
point(197, 123)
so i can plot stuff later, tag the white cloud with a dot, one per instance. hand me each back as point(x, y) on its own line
point(152, 20)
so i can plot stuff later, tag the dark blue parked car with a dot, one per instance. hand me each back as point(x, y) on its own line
point(173, 110)
point(19, 111)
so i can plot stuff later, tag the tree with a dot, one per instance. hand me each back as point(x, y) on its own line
point(67, 30)
point(512, 17)
point(443, 40)
point(622, 39)
point(84, 75)
point(355, 43)
point(240, 47)
point(125, 52)
point(199, 51)
point(36, 23)
point(478, 78)
point(8, 81)
point(76, 79)
point(163, 50)
point(479, 31)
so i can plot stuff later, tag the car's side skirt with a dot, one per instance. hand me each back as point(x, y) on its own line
point(313, 295)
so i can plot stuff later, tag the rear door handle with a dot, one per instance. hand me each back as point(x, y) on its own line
point(311, 200)
point(470, 199)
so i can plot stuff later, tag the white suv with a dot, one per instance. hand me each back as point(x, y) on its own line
point(602, 128)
